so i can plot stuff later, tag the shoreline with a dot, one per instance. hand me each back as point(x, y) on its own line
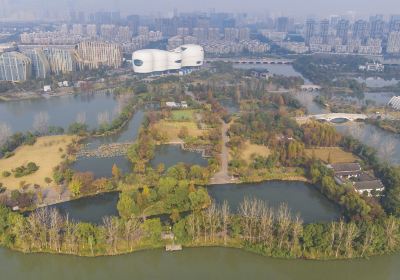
point(232, 244)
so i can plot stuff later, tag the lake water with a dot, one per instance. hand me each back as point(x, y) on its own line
point(301, 198)
point(377, 82)
point(276, 69)
point(387, 144)
point(61, 111)
point(101, 167)
point(194, 264)
point(90, 209)
point(171, 155)
point(378, 98)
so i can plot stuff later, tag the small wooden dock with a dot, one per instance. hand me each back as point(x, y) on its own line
point(173, 247)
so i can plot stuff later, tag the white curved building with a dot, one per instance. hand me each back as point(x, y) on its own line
point(142, 61)
point(192, 55)
point(174, 60)
point(152, 60)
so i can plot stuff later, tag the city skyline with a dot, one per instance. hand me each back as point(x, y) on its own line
point(29, 10)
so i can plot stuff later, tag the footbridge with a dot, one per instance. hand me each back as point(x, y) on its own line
point(334, 116)
point(310, 87)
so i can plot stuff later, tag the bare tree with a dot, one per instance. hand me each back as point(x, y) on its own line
point(225, 214)
point(55, 226)
point(297, 229)
point(367, 239)
point(132, 231)
point(103, 118)
point(81, 118)
point(283, 222)
point(5, 133)
point(351, 234)
point(41, 123)
point(391, 228)
point(111, 226)
point(340, 231)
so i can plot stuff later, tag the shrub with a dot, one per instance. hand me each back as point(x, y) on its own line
point(6, 174)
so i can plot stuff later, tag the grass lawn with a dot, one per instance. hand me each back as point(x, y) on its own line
point(45, 153)
point(183, 115)
point(252, 149)
point(336, 154)
point(171, 129)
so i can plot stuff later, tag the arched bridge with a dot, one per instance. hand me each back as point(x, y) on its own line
point(334, 116)
point(310, 87)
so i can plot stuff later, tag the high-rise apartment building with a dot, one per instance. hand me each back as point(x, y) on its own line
point(200, 34)
point(213, 34)
point(360, 29)
point(231, 34)
point(342, 30)
point(108, 32)
point(393, 46)
point(282, 24)
point(93, 54)
point(376, 28)
point(124, 34)
point(91, 30)
point(183, 31)
point(310, 30)
point(244, 34)
point(40, 64)
point(77, 29)
point(61, 60)
point(324, 30)
point(15, 66)
point(143, 30)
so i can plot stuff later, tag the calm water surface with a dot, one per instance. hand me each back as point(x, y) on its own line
point(171, 155)
point(276, 69)
point(61, 111)
point(301, 198)
point(194, 264)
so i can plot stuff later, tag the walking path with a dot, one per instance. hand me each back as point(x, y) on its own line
point(222, 176)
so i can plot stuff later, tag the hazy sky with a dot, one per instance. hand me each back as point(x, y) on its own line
point(277, 7)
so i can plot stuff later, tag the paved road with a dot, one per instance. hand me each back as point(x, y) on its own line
point(222, 176)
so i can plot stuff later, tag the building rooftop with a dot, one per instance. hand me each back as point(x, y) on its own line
point(368, 185)
point(345, 167)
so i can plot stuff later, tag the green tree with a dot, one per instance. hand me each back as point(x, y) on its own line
point(75, 187)
point(126, 205)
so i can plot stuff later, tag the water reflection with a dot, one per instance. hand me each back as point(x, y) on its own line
point(276, 69)
point(387, 144)
point(62, 111)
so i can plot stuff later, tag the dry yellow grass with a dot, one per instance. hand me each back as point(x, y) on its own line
point(171, 129)
point(336, 154)
point(45, 153)
point(252, 149)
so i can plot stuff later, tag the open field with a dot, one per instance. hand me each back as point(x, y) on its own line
point(336, 155)
point(252, 149)
point(183, 115)
point(46, 153)
point(171, 129)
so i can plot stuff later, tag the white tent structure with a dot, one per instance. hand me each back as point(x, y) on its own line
point(153, 60)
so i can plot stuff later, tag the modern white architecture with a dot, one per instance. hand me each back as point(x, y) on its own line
point(395, 102)
point(152, 60)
